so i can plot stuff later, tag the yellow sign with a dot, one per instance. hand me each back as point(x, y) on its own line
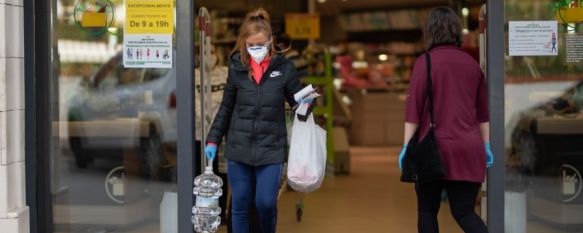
point(149, 16)
point(91, 19)
point(302, 26)
point(570, 15)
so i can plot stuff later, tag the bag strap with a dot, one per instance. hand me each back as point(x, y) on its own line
point(429, 89)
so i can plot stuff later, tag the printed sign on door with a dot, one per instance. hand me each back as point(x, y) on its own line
point(149, 26)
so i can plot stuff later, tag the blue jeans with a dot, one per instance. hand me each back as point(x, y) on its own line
point(262, 181)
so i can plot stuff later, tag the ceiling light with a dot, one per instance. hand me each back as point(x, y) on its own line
point(465, 11)
point(322, 1)
point(383, 57)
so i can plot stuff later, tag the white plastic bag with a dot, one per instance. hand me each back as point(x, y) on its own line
point(307, 157)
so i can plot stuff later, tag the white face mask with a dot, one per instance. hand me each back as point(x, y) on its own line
point(258, 53)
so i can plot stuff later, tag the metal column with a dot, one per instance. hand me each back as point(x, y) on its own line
point(185, 108)
point(495, 72)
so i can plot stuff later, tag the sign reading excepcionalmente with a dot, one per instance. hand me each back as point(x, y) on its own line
point(149, 26)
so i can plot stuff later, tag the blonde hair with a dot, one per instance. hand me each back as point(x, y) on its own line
point(256, 21)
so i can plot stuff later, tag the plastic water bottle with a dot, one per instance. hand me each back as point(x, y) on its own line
point(207, 189)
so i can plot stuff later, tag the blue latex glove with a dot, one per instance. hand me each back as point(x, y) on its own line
point(306, 100)
point(210, 151)
point(402, 156)
point(489, 155)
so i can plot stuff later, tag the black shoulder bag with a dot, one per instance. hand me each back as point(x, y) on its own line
point(422, 162)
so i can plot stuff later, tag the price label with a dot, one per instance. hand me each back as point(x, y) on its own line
point(302, 26)
point(149, 16)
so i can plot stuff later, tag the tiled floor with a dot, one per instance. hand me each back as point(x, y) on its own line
point(370, 199)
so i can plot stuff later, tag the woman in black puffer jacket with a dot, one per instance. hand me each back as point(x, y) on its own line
point(252, 119)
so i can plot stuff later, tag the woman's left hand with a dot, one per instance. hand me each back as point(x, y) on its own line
point(307, 100)
point(489, 155)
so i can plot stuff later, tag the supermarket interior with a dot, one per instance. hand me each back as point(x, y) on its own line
point(358, 53)
point(362, 61)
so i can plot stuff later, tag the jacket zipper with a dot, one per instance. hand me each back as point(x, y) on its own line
point(257, 104)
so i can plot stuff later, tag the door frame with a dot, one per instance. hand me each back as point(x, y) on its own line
point(39, 74)
point(185, 14)
point(37, 67)
point(37, 38)
point(495, 75)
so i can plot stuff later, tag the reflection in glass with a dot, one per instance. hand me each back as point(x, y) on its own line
point(114, 153)
point(544, 132)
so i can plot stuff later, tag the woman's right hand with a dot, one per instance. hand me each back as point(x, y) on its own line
point(210, 151)
point(489, 155)
point(402, 156)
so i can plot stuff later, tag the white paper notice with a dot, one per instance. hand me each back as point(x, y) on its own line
point(574, 48)
point(148, 29)
point(147, 51)
point(533, 38)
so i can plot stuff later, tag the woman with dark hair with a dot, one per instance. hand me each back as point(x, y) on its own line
point(252, 119)
point(460, 119)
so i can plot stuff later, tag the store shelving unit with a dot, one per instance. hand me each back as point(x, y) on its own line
point(326, 111)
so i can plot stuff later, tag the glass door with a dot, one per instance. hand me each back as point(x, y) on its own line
point(544, 116)
point(114, 123)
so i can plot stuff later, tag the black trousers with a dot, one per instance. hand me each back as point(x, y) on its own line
point(462, 200)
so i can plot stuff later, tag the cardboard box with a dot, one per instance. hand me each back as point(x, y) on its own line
point(341, 151)
point(377, 118)
point(342, 163)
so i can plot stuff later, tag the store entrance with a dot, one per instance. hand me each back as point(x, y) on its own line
point(362, 63)
point(111, 155)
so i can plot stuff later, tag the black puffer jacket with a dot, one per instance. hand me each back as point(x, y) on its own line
point(252, 117)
